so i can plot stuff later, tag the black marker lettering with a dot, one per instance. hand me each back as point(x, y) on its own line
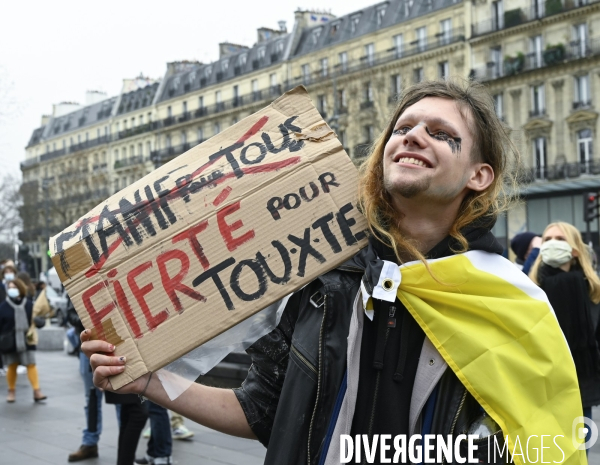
point(323, 224)
point(345, 224)
point(160, 219)
point(228, 152)
point(287, 264)
point(164, 200)
point(315, 192)
point(328, 179)
point(288, 205)
point(274, 205)
point(305, 250)
point(213, 274)
point(261, 277)
point(263, 153)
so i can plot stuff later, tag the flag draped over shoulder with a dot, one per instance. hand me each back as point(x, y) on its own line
point(496, 330)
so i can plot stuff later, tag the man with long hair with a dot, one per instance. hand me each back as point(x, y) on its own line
point(427, 331)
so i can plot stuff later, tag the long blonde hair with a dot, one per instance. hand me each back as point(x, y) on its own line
point(584, 259)
point(491, 145)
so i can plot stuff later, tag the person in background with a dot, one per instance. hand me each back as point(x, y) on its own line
point(39, 288)
point(2, 298)
point(564, 271)
point(8, 273)
point(24, 276)
point(133, 417)
point(526, 247)
point(93, 396)
point(178, 428)
point(16, 313)
point(160, 445)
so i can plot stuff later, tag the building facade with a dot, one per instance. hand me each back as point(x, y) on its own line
point(539, 59)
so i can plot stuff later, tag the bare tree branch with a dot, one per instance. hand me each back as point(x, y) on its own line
point(10, 201)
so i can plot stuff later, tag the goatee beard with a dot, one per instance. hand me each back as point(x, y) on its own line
point(407, 191)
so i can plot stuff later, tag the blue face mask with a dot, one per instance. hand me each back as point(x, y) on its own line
point(12, 292)
point(9, 277)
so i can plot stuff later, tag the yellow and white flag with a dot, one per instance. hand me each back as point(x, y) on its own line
point(497, 331)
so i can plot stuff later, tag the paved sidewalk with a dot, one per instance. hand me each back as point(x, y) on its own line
point(32, 434)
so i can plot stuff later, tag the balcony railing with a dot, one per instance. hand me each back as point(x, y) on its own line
point(141, 129)
point(537, 113)
point(561, 171)
point(550, 57)
point(582, 104)
point(50, 155)
point(518, 16)
point(127, 162)
point(99, 167)
point(392, 54)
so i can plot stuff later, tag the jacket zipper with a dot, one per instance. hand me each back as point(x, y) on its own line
point(392, 314)
point(312, 420)
point(304, 360)
point(460, 406)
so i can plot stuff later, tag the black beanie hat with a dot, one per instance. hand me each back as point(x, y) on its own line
point(520, 244)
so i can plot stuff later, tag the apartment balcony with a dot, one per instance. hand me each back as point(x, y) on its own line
point(582, 104)
point(518, 16)
point(256, 95)
point(219, 106)
point(129, 162)
point(51, 155)
point(186, 116)
point(537, 113)
point(237, 101)
point(141, 129)
point(99, 168)
point(160, 157)
point(168, 121)
point(200, 112)
point(561, 171)
point(89, 144)
point(552, 56)
point(431, 43)
point(275, 91)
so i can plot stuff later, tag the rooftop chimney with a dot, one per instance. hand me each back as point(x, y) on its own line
point(282, 26)
point(94, 96)
point(62, 108)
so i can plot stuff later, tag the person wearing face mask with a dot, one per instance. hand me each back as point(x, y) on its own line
point(8, 273)
point(564, 271)
point(16, 315)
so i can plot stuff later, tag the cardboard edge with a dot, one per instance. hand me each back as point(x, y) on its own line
point(72, 261)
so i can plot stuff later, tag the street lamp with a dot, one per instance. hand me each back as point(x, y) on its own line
point(45, 185)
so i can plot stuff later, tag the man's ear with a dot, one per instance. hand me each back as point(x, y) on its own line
point(481, 177)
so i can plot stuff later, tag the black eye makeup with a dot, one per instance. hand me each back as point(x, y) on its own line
point(453, 142)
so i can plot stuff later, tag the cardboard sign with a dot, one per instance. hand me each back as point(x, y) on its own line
point(213, 236)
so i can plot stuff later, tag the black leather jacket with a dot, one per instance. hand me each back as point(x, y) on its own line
point(290, 391)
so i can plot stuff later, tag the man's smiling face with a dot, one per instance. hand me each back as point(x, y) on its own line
point(428, 155)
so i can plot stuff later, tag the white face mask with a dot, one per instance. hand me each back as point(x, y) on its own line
point(12, 292)
point(556, 253)
point(9, 276)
